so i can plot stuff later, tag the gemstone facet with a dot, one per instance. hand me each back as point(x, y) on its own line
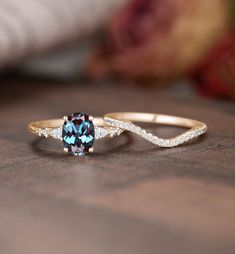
point(78, 133)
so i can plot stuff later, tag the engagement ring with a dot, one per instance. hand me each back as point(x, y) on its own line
point(78, 131)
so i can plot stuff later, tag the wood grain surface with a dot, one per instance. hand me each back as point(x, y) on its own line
point(129, 196)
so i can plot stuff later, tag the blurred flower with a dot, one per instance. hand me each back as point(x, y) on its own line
point(216, 74)
point(160, 40)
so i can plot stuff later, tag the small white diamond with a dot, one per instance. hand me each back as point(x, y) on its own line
point(44, 132)
point(100, 132)
point(56, 133)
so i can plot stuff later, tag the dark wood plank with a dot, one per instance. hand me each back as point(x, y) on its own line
point(129, 196)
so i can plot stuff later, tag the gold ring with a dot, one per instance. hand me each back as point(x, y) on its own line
point(78, 131)
point(123, 120)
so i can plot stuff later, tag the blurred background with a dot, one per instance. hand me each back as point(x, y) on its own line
point(148, 43)
point(174, 57)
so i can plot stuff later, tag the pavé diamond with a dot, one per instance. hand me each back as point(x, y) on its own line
point(78, 133)
point(180, 139)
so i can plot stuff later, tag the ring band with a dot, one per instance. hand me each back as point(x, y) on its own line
point(78, 131)
point(124, 121)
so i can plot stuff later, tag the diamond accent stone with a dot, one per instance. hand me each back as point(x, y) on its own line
point(101, 132)
point(43, 132)
point(51, 132)
point(56, 133)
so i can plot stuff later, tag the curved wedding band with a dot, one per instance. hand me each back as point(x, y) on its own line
point(124, 121)
point(77, 131)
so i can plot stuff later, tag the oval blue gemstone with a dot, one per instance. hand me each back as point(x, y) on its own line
point(78, 133)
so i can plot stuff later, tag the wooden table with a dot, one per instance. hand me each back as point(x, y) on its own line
point(129, 196)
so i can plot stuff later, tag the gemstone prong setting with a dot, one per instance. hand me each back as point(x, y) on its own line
point(91, 150)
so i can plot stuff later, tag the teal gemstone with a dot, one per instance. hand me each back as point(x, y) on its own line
point(78, 133)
